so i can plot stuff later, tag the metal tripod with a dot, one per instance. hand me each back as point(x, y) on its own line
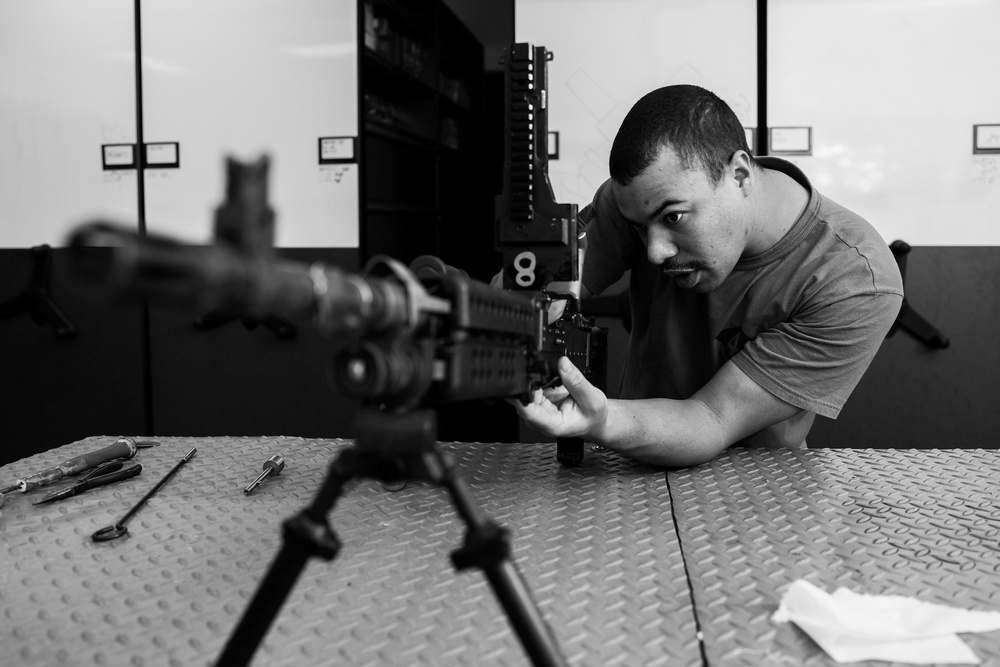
point(391, 448)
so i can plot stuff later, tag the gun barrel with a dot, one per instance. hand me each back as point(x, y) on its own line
point(217, 277)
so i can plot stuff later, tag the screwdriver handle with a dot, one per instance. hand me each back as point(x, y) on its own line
point(122, 448)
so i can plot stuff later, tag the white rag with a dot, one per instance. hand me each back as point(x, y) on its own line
point(852, 627)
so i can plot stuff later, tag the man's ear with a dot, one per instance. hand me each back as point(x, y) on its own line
point(741, 171)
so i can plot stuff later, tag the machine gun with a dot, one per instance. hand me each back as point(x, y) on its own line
point(405, 339)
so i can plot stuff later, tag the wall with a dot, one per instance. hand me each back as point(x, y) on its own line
point(892, 91)
point(916, 396)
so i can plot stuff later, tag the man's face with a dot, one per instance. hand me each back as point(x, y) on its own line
point(694, 229)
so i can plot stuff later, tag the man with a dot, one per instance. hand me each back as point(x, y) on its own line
point(756, 302)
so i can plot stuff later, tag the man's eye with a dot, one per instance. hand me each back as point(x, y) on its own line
point(673, 217)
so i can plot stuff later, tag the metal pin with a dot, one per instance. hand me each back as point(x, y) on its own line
point(118, 529)
point(272, 466)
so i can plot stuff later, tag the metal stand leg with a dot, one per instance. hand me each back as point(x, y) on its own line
point(36, 299)
point(487, 546)
point(908, 319)
point(304, 535)
point(389, 448)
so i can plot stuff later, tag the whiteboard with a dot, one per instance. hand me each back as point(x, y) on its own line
point(244, 78)
point(67, 86)
point(892, 90)
point(608, 54)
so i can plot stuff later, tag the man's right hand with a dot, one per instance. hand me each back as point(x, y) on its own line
point(574, 408)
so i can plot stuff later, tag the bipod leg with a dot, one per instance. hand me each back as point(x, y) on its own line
point(487, 546)
point(303, 536)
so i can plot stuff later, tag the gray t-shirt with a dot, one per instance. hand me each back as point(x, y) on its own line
point(802, 319)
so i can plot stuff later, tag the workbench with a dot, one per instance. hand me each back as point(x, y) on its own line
point(628, 564)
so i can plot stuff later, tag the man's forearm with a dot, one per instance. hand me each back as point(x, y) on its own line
point(663, 432)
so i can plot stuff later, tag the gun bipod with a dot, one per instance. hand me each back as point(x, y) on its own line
point(390, 448)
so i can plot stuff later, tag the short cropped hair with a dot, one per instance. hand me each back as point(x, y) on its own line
point(693, 121)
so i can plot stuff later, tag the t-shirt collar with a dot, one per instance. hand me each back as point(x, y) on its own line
point(802, 225)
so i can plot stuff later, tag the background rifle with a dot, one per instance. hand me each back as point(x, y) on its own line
point(541, 240)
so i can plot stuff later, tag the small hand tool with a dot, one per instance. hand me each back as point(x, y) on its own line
point(123, 448)
point(118, 529)
point(272, 466)
point(115, 471)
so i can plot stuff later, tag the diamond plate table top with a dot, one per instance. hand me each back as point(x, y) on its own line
point(595, 544)
point(920, 523)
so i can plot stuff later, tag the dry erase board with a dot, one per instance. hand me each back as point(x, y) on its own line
point(66, 89)
point(609, 54)
point(229, 77)
point(253, 77)
point(893, 92)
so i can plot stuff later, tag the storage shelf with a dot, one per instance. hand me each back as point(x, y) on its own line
point(399, 135)
point(422, 80)
point(400, 209)
point(387, 74)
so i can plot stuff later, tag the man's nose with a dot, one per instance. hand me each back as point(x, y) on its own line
point(659, 246)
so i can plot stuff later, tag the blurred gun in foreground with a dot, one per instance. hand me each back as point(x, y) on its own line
point(404, 339)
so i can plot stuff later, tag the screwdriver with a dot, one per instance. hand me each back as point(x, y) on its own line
point(272, 466)
point(123, 448)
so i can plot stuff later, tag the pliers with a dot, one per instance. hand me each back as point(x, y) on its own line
point(113, 471)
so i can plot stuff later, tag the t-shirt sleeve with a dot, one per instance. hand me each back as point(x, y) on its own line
point(814, 361)
point(611, 242)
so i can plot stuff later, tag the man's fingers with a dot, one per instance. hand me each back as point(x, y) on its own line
point(588, 397)
point(570, 374)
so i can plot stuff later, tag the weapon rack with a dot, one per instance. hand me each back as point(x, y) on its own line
point(422, 81)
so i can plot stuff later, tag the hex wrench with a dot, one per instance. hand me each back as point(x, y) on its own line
point(118, 529)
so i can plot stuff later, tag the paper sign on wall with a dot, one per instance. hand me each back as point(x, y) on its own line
point(333, 150)
point(163, 155)
point(790, 140)
point(986, 138)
